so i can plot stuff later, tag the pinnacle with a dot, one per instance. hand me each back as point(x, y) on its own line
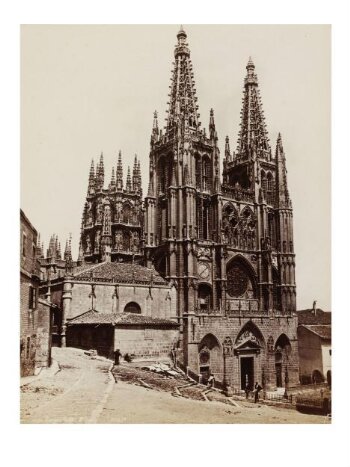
point(279, 144)
point(181, 32)
point(250, 63)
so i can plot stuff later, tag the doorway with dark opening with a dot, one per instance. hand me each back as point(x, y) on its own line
point(247, 372)
point(278, 369)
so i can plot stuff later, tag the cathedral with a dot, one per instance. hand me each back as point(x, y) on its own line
point(203, 264)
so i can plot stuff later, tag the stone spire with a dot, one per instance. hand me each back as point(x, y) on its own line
point(227, 156)
point(101, 172)
point(68, 249)
point(120, 172)
point(283, 199)
point(212, 131)
point(112, 182)
point(68, 255)
point(39, 251)
point(155, 129)
point(59, 254)
point(253, 139)
point(139, 176)
point(50, 253)
point(91, 186)
point(135, 179)
point(128, 181)
point(183, 109)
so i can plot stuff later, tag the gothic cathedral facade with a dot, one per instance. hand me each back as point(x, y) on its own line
point(225, 242)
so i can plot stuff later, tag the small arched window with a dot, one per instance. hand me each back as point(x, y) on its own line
point(132, 307)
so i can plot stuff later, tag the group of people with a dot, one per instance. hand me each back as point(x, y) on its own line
point(118, 354)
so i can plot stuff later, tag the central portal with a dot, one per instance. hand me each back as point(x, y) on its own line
point(247, 372)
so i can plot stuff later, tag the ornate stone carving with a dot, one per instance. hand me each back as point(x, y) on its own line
point(227, 347)
point(203, 252)
point(203, 270)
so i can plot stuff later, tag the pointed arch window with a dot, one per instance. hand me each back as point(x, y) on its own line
point(206, 174)
point(198, 171)
point(126, 213)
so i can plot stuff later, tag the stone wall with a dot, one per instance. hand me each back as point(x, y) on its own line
point(145, 341)
point(310, 354)
point(158, 302)
point(29, 283)
point(43, 337)
point(264, 359)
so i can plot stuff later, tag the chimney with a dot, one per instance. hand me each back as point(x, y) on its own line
point(314, 307)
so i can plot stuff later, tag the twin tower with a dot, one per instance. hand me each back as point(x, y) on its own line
point(225, 243)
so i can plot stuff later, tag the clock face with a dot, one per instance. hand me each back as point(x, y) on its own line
point(203, 271)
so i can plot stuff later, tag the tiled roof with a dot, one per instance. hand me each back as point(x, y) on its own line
point(120, 319)
point(130, 273)
point(94, 317)
point(131, 318)
point(309, 317)
point(322, 330)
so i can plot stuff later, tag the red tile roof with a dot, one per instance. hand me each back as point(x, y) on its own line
point(309, 317)
point(120, 319)
point(131, 318)
point(130, 273)
point(322, 330)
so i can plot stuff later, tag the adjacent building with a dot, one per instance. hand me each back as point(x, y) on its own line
point(315, 346)
point(35, 313)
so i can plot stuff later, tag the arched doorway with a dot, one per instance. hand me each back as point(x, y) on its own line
point(317, 377)
point(248, 346)
point(209, 356)
point(283, 350)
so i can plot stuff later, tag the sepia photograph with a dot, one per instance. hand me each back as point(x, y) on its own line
point(175, 224)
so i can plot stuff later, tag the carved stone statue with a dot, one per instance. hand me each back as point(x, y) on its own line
point(118, 240)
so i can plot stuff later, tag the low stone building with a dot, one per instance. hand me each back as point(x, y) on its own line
point(315, 350)
point(35, 314)
point(128, 306)
point(136, 335)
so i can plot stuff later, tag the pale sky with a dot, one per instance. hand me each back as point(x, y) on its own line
point(87, 89)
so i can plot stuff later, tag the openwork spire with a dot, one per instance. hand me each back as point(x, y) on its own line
point(68, 249)
point(283, 198)
point(253, 139)
point(135, 179)
point(91, 177)
point(128, 180)
point(183, 109)
point(112, 182)
point(120, 172)
point(139, 176)
point(155, 129)
point(101, 172)
point(68, 255)
point(227, 149)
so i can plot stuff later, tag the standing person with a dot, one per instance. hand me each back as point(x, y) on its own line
point(211, 380)
point(246, 390)
point(257, 389)
point(173, 354)
point(117, 355)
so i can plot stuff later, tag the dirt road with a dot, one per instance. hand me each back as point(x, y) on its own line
point(84, 391)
